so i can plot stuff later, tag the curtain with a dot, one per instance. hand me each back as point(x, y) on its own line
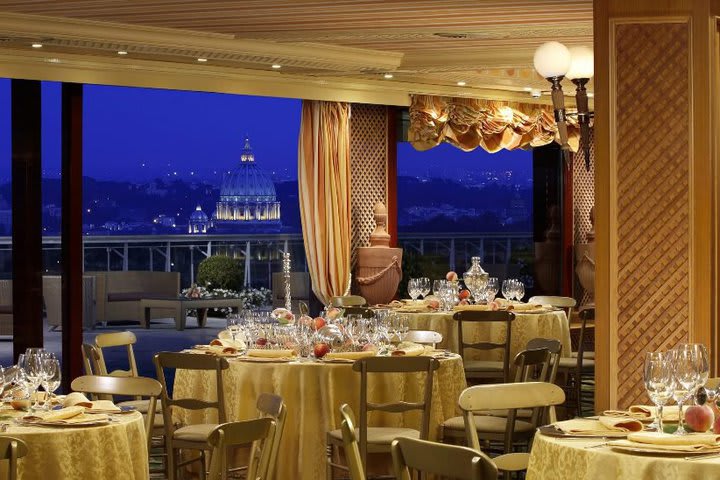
point(324, 184)
point(469, 123)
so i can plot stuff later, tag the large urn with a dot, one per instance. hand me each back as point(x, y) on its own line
point(379, 267)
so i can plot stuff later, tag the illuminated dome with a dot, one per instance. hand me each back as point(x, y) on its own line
point(199, 221)
point(247, 194)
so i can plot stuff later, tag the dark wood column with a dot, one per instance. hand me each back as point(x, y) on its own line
point(392, 206)
point(72, 241)
point(568, 232)
point(26, 216)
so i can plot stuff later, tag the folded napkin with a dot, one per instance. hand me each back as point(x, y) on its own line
point(77, 399)
point(225, 339)
point(56, 415)
point(693, 442)
point(521, 307)
point(473, 308)
point(415, 309)
point(600, 427)
point(262, 353)
point(350, 355)
point(408, 349)
point(646, 412)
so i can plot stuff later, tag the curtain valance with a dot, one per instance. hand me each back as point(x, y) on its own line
point(469, 123)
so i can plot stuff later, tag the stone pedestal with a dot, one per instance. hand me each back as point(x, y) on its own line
point(378, 273)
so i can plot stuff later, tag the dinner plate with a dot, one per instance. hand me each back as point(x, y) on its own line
point(89, 423)
point(552, 431)
point(662, 451)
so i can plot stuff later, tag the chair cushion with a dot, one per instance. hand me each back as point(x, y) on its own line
point(382, 435)
point(195, 433)
point(486, 423)
point(568, 362)
point(483, 366)
point(141, 405)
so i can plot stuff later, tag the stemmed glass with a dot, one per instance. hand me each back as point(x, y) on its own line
point(685, 378)
point(491, 289)
point(413, 289)
point(401, 327)
point(437, 286)
point(424, 285)
point(519, 290)
point(658, 383)
point(52, 374)
point(507, 289)
point(233, 326)
point(33, 367)
point(702, 364)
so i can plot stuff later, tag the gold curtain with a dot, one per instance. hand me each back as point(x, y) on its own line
point(324, 184)
point(469, 123)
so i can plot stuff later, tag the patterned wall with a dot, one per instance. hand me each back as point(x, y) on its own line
point(368, 168)
point(652, 143)
point(583, 201)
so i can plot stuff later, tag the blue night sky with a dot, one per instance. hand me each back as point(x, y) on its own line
point(139, 134)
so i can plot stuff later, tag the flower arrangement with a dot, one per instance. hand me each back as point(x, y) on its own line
point(251, 297)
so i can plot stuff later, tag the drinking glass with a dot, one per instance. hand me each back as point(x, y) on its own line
point(233, 326)
point(507, 289)
point(685, 377)
point(658, 383)
point(52, 375)
point(519, 290)
point(413, 289)
point(702, 364)
point(491, 289)
point(33, 368)
point(401, 327)
point(424, 284)
point(437, 286)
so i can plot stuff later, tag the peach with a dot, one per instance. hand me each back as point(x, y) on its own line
point(699, 418)
point(451, 276)
point(334, 313)
point(434, 304)
point(318, 323)
point(464, 293)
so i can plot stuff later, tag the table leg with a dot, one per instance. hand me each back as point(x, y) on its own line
point(180, 318)
point(202, 317)
point(146, 317)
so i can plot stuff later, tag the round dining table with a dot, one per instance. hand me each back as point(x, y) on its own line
point(591, 459)
point(526, 326)
point(313, 392)
point(114, 451)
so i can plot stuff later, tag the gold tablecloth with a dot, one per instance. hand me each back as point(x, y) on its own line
point(117, 451)
point(566, 459)
point(313, 393)
point(525, 327)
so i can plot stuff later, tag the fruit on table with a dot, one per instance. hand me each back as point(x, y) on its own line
point(321, 349)
point(261, 342)
point(464, 293)
point(334, 313)
point(451, 276)
point(434, 304)
point(699, 418)
point(318, 323)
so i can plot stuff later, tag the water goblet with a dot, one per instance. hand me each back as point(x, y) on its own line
point(507, 289)
point(658, 383)
point(424, 284)
point(491, 289)
point(52, 376)
point(413, 289)
point(519, 290)
point(437, 286)
point(685, 377)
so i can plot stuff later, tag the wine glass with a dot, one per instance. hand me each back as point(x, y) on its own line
point(424, 284)
point(658, 383)
point(519, 290)
point(413, 289)
point(33, 368)
point(685, 377)
point(702, 364)
point(401, 327)
point(491, 289)
point(507, 289)
point(233, 327)
point(52, 375)
point(437, 286)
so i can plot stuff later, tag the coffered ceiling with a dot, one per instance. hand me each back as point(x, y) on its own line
point(428, 46)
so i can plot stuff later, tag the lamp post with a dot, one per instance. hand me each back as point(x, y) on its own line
point(581, 71)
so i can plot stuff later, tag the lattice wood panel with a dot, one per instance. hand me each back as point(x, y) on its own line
point(583, 201)
point(368, 168)
point(652, 125)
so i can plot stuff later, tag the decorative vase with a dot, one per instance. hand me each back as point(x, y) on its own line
point(476, 279)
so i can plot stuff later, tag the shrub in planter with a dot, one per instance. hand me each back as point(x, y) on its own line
point(220, 271)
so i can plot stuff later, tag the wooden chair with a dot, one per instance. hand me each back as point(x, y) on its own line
point(234, 434)
point(130, 386)
point(11, 449)
point(554, 347)
point(566, 303)
point(578, 370)
point(270, 406)
point(491, 425)
point(511, 397)
point(364, 312)
point(350, 443)
point(348, 301)
point(378, 439)
point(484, 369)
point(191, 437)
point(91, 359)
point(446, 461)
point(424, 337)
point(117, 339)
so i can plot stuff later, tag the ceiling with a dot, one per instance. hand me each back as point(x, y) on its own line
point(427, 45)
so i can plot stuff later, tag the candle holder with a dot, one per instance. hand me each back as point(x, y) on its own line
point(286, 276)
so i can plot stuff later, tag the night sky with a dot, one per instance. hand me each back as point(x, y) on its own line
point(138, 134)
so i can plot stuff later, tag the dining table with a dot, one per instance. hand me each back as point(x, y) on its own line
point(313, 392)
point(116, 450)
point(573, 458)
point(550, 323)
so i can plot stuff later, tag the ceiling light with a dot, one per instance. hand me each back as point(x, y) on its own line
point(122, 52)
point(53, 60)
point(202, 59)
point(37, 45)
point(581, 63)
point(536, 93)
point(552, 60)
point(388, 76)
point(528, 89)
point(276, 66)
point(461, 83)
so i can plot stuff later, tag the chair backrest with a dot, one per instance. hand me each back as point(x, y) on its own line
point(129, 386)
point(480, 316)
point(424, 337)
point(364, 312)
point(117, 339)
point(566, 303)
point(11, 449)
point(235, 434)
point(268, 406)
point(555, 348)
point(587, 315)
point(190, 361)
point(447, 461)
point(350, 442)
point(91, 359)
point(348, 301)
point(507, 396)
point(532, 364)
point(394, 365)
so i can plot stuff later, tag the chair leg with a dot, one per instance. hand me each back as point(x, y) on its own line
point(172, 473)
point(329, 464)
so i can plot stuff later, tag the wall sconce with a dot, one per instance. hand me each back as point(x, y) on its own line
point(554, 61)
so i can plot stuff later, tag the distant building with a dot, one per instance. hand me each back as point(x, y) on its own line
point(164, 221)
point(199, 221)
point(247, 198)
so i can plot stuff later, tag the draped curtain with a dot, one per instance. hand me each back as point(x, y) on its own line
point(469, 123)
point(324, 184)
